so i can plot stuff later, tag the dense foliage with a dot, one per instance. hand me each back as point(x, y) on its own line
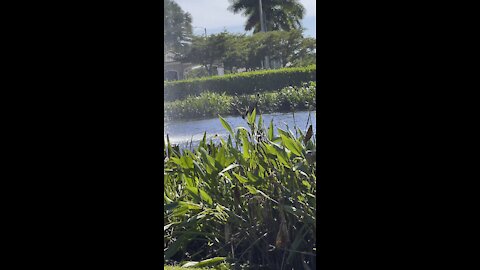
point(237, 51)
point(177, 27)
point(241, 83)
point(278, 14)
point(209, 104)
point(249, 200)
point(207, 51)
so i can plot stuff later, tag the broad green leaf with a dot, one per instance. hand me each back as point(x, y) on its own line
point(210, 262)
point(222, 141)
point(281, 155)
point(199, 169)
point(277, 140)
point(188, 181)
point(284, 133)
point(203, 142)
point(190, 265)
point(240, 178)
point(221, 156)
point(166, 198)
point(245, 144)
point(226, 125)
point(253, 178)
point(206, 197)
point(194, 192)
point(242, 129)
point(270, 131)
point(179, 211)
point(251, 189)
point(191, 206)
point(253, 116)
point(188, 162)
point(292, 145)
point(270, 149)
point(177, 161)
point(207, 158)
point(231, 166)
point(200, 193)
point(305, 183)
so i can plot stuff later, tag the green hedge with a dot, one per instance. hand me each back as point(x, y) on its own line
point(241, 83)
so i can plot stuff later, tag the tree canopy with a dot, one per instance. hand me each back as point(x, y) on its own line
point(206, 51)
point(177, 26)
point(242, 51)
point(279, 14)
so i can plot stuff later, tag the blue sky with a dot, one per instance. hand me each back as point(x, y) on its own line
point(213, 15)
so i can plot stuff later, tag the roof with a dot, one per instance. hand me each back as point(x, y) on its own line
point(169, 56)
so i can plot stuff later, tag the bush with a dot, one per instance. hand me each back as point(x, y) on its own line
point(209, 104)
point(242, 83)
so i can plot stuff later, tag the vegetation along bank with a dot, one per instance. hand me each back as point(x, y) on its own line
point(210, 104)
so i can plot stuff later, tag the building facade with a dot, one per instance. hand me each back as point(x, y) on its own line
point(174, 70)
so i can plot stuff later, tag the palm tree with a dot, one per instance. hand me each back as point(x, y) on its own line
point(279, 14)
point(177, 27)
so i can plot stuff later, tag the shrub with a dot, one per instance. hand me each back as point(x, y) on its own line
point(250, 199)
point(242, 83)
point(209, 104)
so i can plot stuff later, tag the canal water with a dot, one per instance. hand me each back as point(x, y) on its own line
point(182, 132)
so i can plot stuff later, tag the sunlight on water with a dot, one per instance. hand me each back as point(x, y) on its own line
point(182, 132)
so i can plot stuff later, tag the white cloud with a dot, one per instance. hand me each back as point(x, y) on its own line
point(211, 13)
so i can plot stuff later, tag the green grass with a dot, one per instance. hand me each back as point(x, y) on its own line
point(249, 200)
point(209, 104)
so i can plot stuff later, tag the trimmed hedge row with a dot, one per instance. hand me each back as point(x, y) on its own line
point(241, 83)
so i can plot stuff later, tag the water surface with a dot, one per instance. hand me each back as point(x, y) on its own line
point(182, 132)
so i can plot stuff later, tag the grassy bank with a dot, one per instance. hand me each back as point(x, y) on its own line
point(209, 104)
point(250, 199)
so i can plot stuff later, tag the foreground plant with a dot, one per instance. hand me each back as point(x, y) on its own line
point(249, 200)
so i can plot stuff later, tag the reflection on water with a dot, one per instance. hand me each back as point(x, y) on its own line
point(182, 132)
